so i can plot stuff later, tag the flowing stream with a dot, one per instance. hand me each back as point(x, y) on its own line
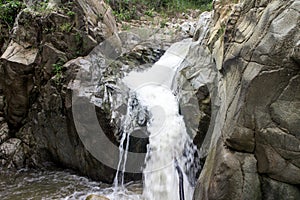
point(57, 184)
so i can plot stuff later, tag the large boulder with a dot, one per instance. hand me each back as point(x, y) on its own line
point(34, 99)
point(256, 48)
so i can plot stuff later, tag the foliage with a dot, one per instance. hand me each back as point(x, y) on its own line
point(126, 10)
point(57, 70)
point(41, 6)
point(9, 10)
point(70, 13)
point(66, 27)
point(125, 14)
point(150, 12)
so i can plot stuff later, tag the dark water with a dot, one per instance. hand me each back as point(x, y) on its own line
point(44, 185)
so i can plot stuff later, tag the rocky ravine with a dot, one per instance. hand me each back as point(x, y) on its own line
point(252, 146)
point(254, 149)
point(48, 47)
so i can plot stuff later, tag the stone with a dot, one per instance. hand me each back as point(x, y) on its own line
point(18, 82)
point(96, 197)
point(1, 103)
point(8, 148)
point(18, 54)
point(4, 132)
point(286, 109)
point(272, 190)
point(97, 10)
point(277, 155)
point(34, 82)
point(241, 139)
point(256, 112)
point(228, 171)
point(50, 56)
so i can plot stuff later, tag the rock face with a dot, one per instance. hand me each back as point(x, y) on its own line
point(254, 147)
point(55, 57)
point(34, 101)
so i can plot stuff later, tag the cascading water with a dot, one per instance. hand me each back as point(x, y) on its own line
point(170, 164)
point(170, 151)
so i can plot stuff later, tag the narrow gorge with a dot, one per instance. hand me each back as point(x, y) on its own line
point(207, 108)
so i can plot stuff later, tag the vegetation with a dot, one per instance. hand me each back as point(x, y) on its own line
point(57, 70)
point(9, 10)
point(126, 10)
point(66, 27)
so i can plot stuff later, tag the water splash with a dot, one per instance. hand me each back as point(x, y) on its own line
point(171, 164)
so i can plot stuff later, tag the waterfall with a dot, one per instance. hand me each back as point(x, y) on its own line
point(170, 164)
point(170, 152)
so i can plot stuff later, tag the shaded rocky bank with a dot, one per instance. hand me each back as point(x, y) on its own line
point(251, 147)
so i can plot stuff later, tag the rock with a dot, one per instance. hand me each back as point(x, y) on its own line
point(34, 82)
point(16, 53)
point(50, 56)
point(11, 153)
point(255, 47)
point(97, 10)
point(4, 132)
point(96, 197)
point(277, 190)
point(1, 103)
point(18, 65)
point(241, 139)
point(8, 148)
point(276, 152)
point(228, 171)
point(188, 28)
point(286, 109)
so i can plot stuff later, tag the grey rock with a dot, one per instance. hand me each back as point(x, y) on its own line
point(1, 103)
point(4, 132)
point(258, 104)
point(272, 190)
point(228, 171)
point(8, 148)
point(285, 111)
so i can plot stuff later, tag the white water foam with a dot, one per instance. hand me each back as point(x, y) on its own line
point(168, 138)
point(166, 144)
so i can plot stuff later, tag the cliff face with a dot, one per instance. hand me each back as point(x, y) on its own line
point(253, 151)
point(38, 122)
point(41, 97)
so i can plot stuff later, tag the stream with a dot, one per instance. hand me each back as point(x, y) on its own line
point(57, 184)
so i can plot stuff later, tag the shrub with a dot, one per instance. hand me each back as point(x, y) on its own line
point(9, 10)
